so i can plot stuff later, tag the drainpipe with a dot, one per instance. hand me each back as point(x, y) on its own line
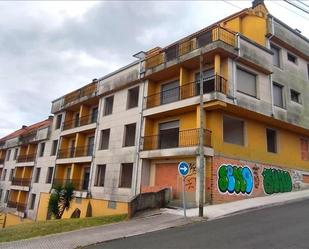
point(138, 144)
point(234, 66)
point(271, 76)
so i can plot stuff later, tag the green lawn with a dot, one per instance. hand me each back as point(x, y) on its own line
point(40, 228)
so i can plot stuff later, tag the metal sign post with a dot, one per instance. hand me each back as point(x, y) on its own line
point(184, 169)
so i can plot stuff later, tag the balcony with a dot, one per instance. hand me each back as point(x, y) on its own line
point(81, 151)
point(26, 158)
point(2, 161)
point(87, 91)
point(179, 139)
point(198, 41)
point(79, 185)
point(25, 182)
point(84, 120)
point(215, 83)
point(21, 207)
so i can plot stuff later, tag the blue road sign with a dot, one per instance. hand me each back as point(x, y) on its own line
point(183, 168)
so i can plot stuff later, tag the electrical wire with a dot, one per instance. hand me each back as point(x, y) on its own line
point(234, 5)
point(303, 3)
point(296, 6)
point(275, 2)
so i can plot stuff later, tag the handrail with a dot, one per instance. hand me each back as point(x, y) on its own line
point(26, 158)
point(79, 151)
point(83, 120)
point(21, 181)
point(78, 184)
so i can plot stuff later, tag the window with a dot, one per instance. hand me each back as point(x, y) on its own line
point(49, 175)
point(6, 198)
point(133, 97)
point(11, 175)
point(278, 96)
point(8, 155)
point(246, 82)
point(76, 119)
point(276, 56)
point(37, 175)
point(295, 96)
point(108, 106)
point(94, 114)
point(233, 130)
point(112, 204)
point(90, 145)
point(129, 139)
point(204, 39)
point(104, 139)
point(58, 121)
point(171, 53)
point(32, 201)
point(304, 144)
point(126, 172)
point(4, 175)
point(42, 149)
point(208, 81)
point(15, 153)
point(271, 136)
point(168, 135)
point(170, 92)
point(292, 58)
point(100, 175)
point(54, 148)
point(1, 192)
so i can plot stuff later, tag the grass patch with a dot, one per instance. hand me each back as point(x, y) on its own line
point(40, 228)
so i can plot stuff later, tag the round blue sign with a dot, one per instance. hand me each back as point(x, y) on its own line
point(183, 168)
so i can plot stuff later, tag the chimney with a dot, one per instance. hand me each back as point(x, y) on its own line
point(95, 80)
point(257, 2)
point(24, 127)
point(50, 117)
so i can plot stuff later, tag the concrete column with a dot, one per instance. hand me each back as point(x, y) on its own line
point(217, 64)
point(197, 191)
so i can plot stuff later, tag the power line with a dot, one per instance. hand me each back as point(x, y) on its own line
point(234, 5)
point(303, 3)
point(296, 6)
point(290, 10)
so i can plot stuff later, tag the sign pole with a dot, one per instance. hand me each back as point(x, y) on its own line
point(184, 197)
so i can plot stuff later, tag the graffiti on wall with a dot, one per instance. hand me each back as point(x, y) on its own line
point(190, 179)
point(235, 179)
point(276, 181)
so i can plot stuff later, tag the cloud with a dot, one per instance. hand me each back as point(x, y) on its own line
point(50, 48)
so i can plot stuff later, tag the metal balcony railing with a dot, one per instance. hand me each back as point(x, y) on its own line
point(87, 91)
point(21, 181)
point(200, 40)
point(185, 138)
point(84, 120)
point(21, 207)
point(26, 158)
point(78, 184)
point(215, 83)
point(80, 151)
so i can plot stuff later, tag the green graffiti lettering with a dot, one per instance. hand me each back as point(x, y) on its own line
point(276, 181)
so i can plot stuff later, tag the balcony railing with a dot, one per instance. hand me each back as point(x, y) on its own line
point(200, 40)
point(26, 139)
point(21, 181)
point(80, 151)
point(78, 184)
point(87, 91)
point(215, 83)
point(21, 207)
point(26, 158)
point(2, 161)
point(84, 120)
point(185, 138)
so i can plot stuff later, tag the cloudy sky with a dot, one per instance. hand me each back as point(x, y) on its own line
point(50, 48)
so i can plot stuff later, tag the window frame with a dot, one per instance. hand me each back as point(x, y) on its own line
point(42, 149)
point(244, 133)
point(250, 73)
point(99, 179)
point(121, 183)
point(53, 151)
point(268, 149)
point(32, 201)
point(289, 55)
point(105, 105)
point(101, 139)
point(49, 180)
point(58, 121)
point(37, 175)
point(292, 91)
point(130, 90)
point(278, 49)
point(125, 142)
point(282, 94)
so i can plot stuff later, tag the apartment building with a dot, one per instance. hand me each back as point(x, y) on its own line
point(125, 133)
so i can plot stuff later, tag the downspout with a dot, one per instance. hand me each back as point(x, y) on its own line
point(96, 138)
point(271, 76)
point(235, 68)
point(138, 144)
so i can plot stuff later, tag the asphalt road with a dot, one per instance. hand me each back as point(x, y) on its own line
point(281, 227)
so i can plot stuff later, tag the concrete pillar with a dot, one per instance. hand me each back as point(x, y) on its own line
point(197, 191)
point(217, 64)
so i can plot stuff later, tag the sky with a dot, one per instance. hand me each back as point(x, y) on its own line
point(48, 49)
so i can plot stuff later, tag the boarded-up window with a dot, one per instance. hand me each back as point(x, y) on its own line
point(133, 97)
point(108, 107)
point(126, 172)
point(271, 136)
point(233, 130)
point(104, 140)
point(278, 97)
point(304, 145)
point(276, 56)
point(100, 175)
point(246, 82)
point(130, 131)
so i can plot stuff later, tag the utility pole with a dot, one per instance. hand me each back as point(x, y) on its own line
point(201, 142)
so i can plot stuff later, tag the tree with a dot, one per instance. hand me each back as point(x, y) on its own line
point(60, 199)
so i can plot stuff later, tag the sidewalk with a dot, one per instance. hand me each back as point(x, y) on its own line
point(152, 221)
point(222, 210)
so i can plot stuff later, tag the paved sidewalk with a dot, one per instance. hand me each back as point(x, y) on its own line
point(87, 236)
point(222, 210)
